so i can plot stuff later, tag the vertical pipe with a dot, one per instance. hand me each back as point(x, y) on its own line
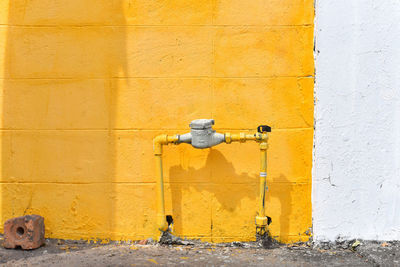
point(261, 219)
point(263, 178)
point(161, 221)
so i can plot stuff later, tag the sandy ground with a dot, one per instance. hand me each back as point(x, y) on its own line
point(81, 253)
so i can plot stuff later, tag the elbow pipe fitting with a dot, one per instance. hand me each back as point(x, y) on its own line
point(161, 140)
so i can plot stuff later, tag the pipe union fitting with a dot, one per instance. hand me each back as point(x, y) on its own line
point(261, 221)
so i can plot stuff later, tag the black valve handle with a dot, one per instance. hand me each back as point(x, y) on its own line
point(263, 129)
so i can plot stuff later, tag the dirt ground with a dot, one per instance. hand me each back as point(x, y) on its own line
point(193, 253)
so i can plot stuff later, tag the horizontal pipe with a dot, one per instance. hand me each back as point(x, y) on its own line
point(243, 137)
point(164, 139)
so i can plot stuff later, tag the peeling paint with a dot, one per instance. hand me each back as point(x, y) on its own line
point(357, 126)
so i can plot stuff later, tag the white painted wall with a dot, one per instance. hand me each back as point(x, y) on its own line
point(356, 170)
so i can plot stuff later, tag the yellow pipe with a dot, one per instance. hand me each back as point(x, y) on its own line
point(262, 138)
point(243, 137)
point(158, 142)
point(261, 219)
point(263, 177)
point(161, 222)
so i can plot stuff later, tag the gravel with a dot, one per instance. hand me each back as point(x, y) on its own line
point(175, 251)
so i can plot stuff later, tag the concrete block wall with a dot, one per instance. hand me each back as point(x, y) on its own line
point(356, 166)
point(86, 84)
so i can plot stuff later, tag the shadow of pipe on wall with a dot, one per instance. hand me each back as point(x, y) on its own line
point(219, 198)
point(229, 201)
point(284, 198)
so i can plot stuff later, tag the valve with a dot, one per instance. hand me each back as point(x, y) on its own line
point(264, 129)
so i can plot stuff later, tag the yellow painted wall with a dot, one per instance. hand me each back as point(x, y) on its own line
point(86, 84)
